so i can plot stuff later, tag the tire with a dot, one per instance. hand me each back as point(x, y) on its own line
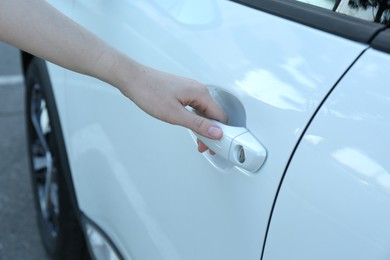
point(57, 211)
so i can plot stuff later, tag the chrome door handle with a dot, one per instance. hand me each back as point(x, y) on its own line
point(238, 146)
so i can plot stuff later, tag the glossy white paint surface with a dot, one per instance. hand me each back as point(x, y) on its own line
point(335, 199)
point(142, 180)
point(57, 74)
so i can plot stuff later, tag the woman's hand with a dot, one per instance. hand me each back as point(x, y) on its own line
point(165, 96)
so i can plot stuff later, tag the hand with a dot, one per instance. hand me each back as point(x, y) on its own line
point(165, 96)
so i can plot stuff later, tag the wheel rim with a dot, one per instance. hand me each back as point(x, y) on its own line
point(43, 163)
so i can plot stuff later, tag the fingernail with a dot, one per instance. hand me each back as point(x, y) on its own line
point(214, 132)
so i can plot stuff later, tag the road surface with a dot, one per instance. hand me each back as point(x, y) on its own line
point(19, 238)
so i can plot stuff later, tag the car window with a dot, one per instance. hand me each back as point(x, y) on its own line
point(371, 10)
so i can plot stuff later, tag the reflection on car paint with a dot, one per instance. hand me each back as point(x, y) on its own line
point(370, 171)
point(265, 86)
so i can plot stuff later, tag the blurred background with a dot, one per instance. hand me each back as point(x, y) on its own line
point(19, 237)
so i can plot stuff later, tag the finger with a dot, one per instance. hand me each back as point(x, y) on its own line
point(214, 110)
point(209, 107)
point(200, 125)
point(201, 146)
point(200, 99)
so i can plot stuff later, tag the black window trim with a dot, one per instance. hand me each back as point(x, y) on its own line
point(320, 18)
point(382, 41)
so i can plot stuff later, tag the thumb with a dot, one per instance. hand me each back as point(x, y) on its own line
point(201, 125)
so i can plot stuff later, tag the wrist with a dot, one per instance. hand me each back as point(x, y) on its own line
point(118, 70)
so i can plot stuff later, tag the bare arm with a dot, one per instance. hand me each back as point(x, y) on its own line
point(38, 28)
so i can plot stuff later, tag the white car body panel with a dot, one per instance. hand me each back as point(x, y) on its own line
point(142, 181)
point(334, 201)
point(57, 74)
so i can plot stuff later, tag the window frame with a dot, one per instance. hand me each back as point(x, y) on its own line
point(382, 41)
point(319, 18)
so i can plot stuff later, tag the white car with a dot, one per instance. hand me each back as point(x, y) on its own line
point(303, 171)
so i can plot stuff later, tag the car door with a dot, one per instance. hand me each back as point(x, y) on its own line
point(336, 192)
point(270, 64)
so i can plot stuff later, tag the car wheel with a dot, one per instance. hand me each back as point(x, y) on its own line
point(57, 220)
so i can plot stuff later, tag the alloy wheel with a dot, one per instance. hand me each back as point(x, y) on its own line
point(43, 161)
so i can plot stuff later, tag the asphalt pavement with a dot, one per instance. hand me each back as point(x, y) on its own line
point(19, 237)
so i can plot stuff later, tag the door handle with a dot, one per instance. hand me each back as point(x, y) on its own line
point(238, 146)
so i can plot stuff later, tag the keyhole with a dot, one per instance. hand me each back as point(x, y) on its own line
point(241, 154)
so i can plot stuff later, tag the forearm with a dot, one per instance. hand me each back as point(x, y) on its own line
point(38, 28)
